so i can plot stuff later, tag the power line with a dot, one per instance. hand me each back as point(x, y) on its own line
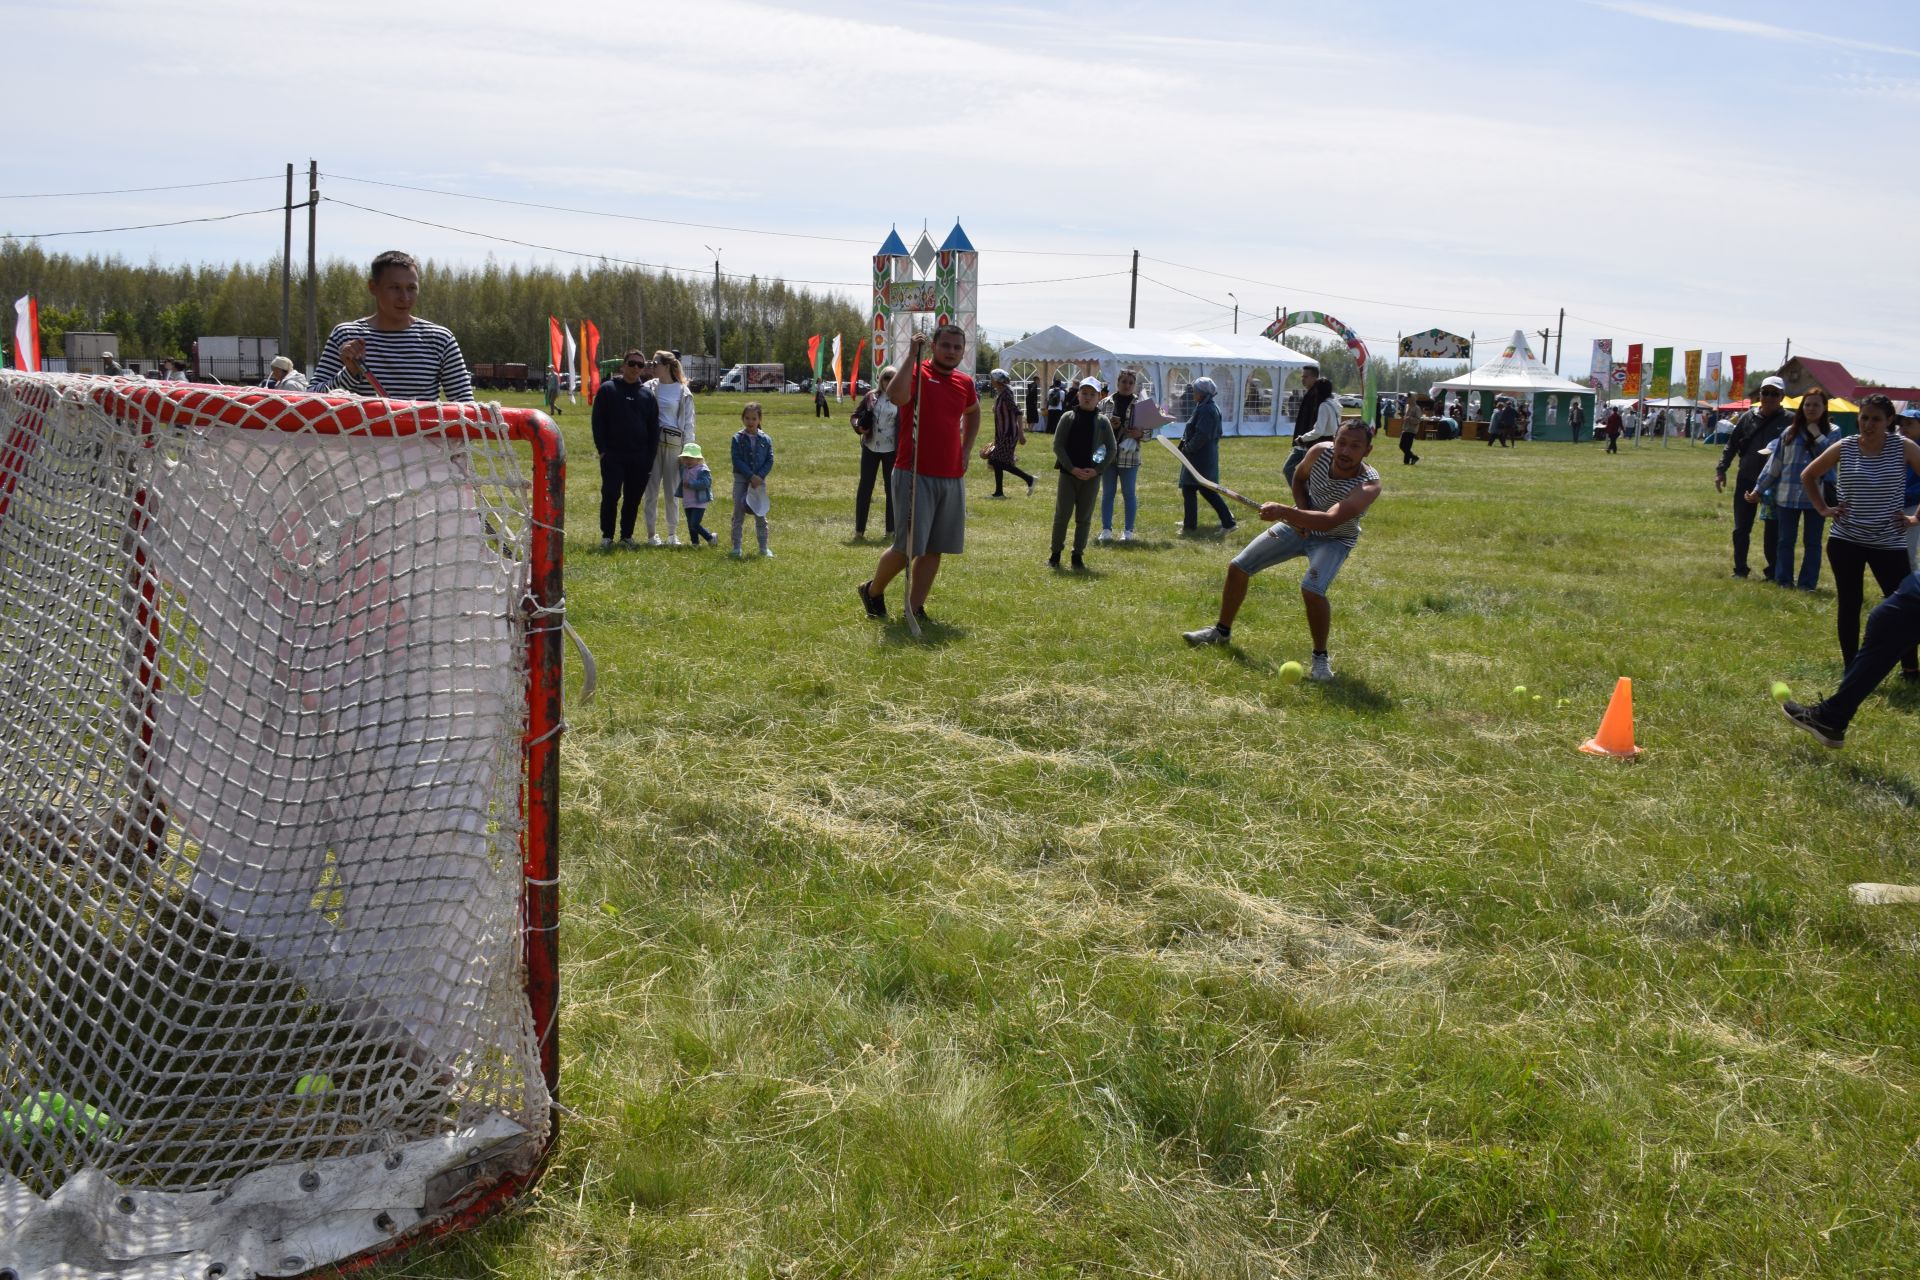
point(129, 191)
point(673, 222)
point(144, 226)
point(1341, 297)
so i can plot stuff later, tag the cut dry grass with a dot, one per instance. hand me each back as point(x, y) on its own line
point(1048, 947)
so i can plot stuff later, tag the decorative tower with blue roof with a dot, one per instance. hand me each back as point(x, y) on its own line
point(943, 283)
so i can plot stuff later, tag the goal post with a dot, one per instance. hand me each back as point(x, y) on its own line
point(280, 707)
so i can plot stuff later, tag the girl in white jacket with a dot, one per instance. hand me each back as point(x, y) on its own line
point(675, 399)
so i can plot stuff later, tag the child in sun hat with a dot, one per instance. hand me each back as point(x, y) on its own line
point(696, 491)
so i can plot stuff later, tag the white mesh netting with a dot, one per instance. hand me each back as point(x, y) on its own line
point(265, 695)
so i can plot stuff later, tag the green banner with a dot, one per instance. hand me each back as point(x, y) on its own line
point(1662, 373)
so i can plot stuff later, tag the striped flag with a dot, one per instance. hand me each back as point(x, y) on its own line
point(568, 371)
point(813, 358)
point(26, 334)
point(836, 366)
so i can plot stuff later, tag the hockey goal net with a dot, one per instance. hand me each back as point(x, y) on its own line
point(277, 823)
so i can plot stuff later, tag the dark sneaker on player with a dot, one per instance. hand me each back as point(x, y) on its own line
point(1205, 635)
point(1079, 565)
point(1804, 717)
point(920, 616)
point(1053, 562)
point(876, 606)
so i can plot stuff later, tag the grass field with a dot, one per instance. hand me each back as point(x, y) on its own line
point(1048, 947)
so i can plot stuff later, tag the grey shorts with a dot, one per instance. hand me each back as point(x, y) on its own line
point(1282, 542)
point(939, 519)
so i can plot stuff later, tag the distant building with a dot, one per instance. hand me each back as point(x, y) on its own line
point(1801, 373)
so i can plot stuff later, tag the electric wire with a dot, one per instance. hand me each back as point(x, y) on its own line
point(143, 226)
point(128, 191)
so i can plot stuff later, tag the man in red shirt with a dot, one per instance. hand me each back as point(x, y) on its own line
point(928, 467)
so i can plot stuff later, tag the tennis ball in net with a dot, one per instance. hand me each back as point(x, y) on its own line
point(312, 1085)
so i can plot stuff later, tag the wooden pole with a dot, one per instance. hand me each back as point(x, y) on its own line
point(312, 350)
point(286, 272)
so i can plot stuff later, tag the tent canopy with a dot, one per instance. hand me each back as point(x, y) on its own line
point(1515, 371)
point(1250, 372)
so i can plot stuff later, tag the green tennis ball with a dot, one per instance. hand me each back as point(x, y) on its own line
point(1519, 691)
point(313, 1085)
point(1781, 691)
point(1538, 698)
point(46, 1111)
point(1291, 672)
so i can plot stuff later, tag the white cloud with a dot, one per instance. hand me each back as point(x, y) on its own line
point(1748, 27)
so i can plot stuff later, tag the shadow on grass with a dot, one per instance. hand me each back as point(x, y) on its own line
point(1135, 546)
point(1356, 694)
point(1892, 785)
point(933, 635)
point(1903, 694)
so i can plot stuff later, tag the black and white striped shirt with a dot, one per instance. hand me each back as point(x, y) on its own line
point(1324, 490)
point(1873, 489)
point(419, 362)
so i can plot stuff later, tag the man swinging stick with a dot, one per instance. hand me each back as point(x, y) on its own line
point(940, 417)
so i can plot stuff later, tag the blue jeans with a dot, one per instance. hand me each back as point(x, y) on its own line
point(1125, 479)
point(1892, 630)
point(1813, 527)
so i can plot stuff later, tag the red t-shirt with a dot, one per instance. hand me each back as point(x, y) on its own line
point(944, 401)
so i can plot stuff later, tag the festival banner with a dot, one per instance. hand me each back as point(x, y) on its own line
point(1618, 382)
point(836, 366)
point(1717, 391)
point(1435, 344)
point(1738, 378)
point(813, 357)
point(26, 334)
point(569, 371)
point(1631, 388)
point(555, 346)
point(1662, 384)
point(1693, 375)
point(853, 373)
point(590, 357)
point(1600, 368)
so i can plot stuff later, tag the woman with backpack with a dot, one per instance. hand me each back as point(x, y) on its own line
point(876, 421)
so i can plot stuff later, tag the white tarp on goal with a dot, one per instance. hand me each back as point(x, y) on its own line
point(264, 700)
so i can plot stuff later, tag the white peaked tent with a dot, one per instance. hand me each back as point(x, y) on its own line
point(1250, 372)
point(1515, 372)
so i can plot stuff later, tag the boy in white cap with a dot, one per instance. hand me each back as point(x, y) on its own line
point(1083, 448)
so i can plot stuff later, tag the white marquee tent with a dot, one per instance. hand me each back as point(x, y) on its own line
point(1516, 372)
point(1250, 372)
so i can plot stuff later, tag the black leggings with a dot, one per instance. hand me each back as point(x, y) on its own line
point(871, 465)
point(1001, 470)
point(1850, 562)
point(1191, 509)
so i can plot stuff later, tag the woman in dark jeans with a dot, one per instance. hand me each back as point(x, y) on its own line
point(1868, 532)
point(1200, 441)
point(877, 421)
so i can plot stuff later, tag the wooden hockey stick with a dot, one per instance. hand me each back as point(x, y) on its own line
point(1882, 895)
point(913, 486)
point(1214, 485)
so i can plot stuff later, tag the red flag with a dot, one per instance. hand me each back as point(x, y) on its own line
point(1634, 352)
point(556, 344)
point(853, 375)
point(591, 340)
point(1739, 378)
point(26, 334)
point(813, 356)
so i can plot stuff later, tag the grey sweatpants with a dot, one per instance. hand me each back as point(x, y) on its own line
point(740, 515)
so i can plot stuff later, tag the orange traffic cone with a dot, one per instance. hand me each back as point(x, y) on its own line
point(1616, 727)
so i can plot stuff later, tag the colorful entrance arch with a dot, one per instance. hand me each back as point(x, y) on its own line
point(1347, 335)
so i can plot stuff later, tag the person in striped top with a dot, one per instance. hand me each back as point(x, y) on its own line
point(392, 353)
point(1332, 488)
point(1869, 525)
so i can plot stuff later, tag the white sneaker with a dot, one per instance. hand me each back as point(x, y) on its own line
point(1126, 535)
point(673, 539)
point(1322, 669)
point(767, 552)
point(1205, 635)
point(1105, 535)
point(653, 539)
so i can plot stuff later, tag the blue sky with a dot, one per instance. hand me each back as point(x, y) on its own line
point(1698, 173)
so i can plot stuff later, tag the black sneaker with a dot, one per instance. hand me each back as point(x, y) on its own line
point(920, 616)
point(1053, 562)
point(1804, 717)
point(1079, 565)
point(876, 606)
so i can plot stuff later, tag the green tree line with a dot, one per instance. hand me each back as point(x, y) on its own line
point(498, 312)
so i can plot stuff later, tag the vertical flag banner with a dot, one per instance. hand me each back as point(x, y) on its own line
point(1662, 373)
point(1693, 375)
point(853, 373)
point(813, 357)
point(590, 335)
point(1713, 375)
point(836, 366)
point(1600, 368)
point(1739, 378)
point(26, 334)
point(555, 346)
point(568, 372)
point(1631, 390)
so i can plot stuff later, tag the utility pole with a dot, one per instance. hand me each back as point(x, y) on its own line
point(1789, 355)
point(286, 273)
point(1133, 291)
point(1236, 314)
point(1546, 336)
point(312, 352)
point(1559, 340)
point(716, 309)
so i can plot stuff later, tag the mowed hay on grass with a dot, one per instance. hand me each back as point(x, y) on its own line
point(1048, 947)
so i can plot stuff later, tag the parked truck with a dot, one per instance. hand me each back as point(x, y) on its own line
point(766, 379)
point(235, 360)
point(504, 375)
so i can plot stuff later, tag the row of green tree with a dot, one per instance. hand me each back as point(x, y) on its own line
point(500, 313)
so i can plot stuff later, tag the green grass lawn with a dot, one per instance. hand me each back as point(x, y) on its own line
point(1049, 947)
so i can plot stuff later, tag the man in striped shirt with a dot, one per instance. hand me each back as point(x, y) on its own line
point(1332, 488)
point(391, 353)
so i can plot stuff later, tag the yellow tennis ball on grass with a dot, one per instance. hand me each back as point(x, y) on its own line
point(312, 1085)
point(1291, 672)
point(1781, 691)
